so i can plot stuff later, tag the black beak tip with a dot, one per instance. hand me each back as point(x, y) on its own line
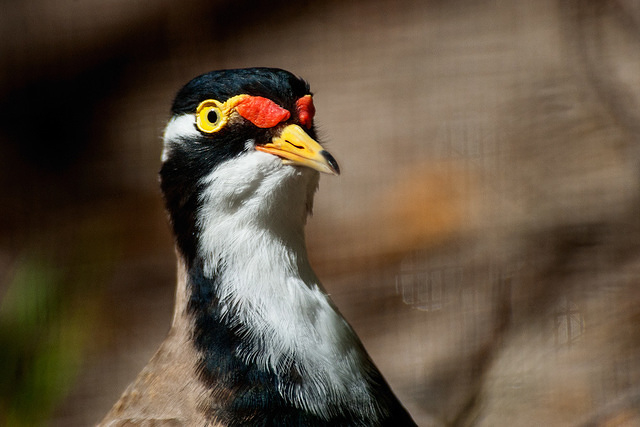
point(333, 164)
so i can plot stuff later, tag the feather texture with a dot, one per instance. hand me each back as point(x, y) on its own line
point(255, 339)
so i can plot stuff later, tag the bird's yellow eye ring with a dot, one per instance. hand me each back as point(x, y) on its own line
point(211, 116)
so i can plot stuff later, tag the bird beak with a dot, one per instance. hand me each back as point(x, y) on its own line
point(295, 147)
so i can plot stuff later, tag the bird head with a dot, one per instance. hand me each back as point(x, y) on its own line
point(239, 138)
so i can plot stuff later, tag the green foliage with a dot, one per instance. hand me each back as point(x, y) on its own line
point(43, 331)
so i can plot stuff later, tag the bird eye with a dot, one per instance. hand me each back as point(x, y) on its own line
point(209, 116)
point(212, 116)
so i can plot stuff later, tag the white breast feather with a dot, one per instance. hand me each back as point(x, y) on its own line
point(252, 235)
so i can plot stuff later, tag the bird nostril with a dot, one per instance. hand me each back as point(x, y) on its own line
point(299, 147)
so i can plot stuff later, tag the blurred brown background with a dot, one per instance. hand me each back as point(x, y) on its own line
point(483, 239)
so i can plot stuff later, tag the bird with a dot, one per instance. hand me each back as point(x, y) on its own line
point(255, 339)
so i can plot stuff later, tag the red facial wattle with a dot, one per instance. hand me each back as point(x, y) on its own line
point(262, 112)
point(305, 110)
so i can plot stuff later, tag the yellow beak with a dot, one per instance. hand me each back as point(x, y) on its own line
point(295, 147)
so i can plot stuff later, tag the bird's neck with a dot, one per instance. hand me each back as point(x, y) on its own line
point(264, 321)
point(269, 341)
point(263, 325)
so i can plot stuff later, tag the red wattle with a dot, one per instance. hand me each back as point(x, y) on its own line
point(306, 110)
point(262, 112)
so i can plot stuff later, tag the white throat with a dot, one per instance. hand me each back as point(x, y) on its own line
point(251, 223)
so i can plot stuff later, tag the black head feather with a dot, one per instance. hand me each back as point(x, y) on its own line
point(278, 85)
